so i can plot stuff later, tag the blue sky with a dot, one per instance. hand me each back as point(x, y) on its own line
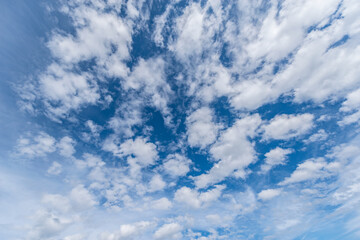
point(179, 119)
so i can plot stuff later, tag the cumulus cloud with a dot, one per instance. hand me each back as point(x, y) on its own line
point(176, 165)
point(39, 145)
point(283, 127)
point(195, 199)
point(311, 169)
point(128, 231)
point(63, 90)
point(169, 231)
point(55, 168)
point(268, 194)
point(66, 146)
point(276, 156)
point(201, 129)
point(233, 151)
point(145, 152)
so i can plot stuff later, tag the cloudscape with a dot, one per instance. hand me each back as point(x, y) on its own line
point(183, 119)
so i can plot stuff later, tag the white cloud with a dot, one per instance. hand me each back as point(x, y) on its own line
point(269, 194)
point(63, 90)
point(276, 156)
point(55, 168)
point(161, 204)
point(201, 130)
point(128, 231)
point(39, 145)
point(176, 165)
point(145, 152)
point(312, 169)
point(95, 32)
point(81, 198)
point(283, 30)
point(66, 146)
point(128, 114)
point(321, 135)
point(148, 77)
point(95, 131)
point(169, 231)
point(156, 183)
point(189, 29)
point(47, 225)
point(195, 199)
point(283, 127)
point(75, 237)
point(233, 150)
point(352, 101)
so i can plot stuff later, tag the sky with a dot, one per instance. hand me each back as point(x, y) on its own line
point(183, 119)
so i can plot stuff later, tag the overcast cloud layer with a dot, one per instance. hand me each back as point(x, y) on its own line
point(148, 119)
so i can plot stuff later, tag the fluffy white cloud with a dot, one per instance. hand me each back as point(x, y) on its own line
point(169, 231)
point(195, 199)
point(156, 183)
point(233, 150)
point(276, 156)
point(189, 30)
point(148, 77)
point(176, 165)
point(283, 127)
point(269, 194)
point(55, 168)
point(66, 146)
point(352, 101)
point(47, 225)
point(63, 90)
point(161, 204)
point(201, 130)
point(96, 30)
point(128, 231)
point(39, 145)
point(312, 169)
point(81, 198)
point(145, 152)
point(320, 135)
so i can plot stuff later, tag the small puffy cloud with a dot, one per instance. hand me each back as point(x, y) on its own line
point(269, 194)
point(283, 127)
point(201, 130)
point(195, 199)
point(176, 165)
point(352, 101)
point(66, 146)
point(63, 90)
point(55, 168)
point(75, 237)
point(161, 204)
point(350, 119)
point(128, 231)
point(276, 156)
point(189, 28)
point(145, 152)
point(169, 231)
point(156, 183)
point(81, 198)
point(93, 39)
point(39, 145)
point(321, 135)
point(312, 169)
point(233, 150)
point(94, 131)
point(56, 202)
point(149, 78)
point(48, 225)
